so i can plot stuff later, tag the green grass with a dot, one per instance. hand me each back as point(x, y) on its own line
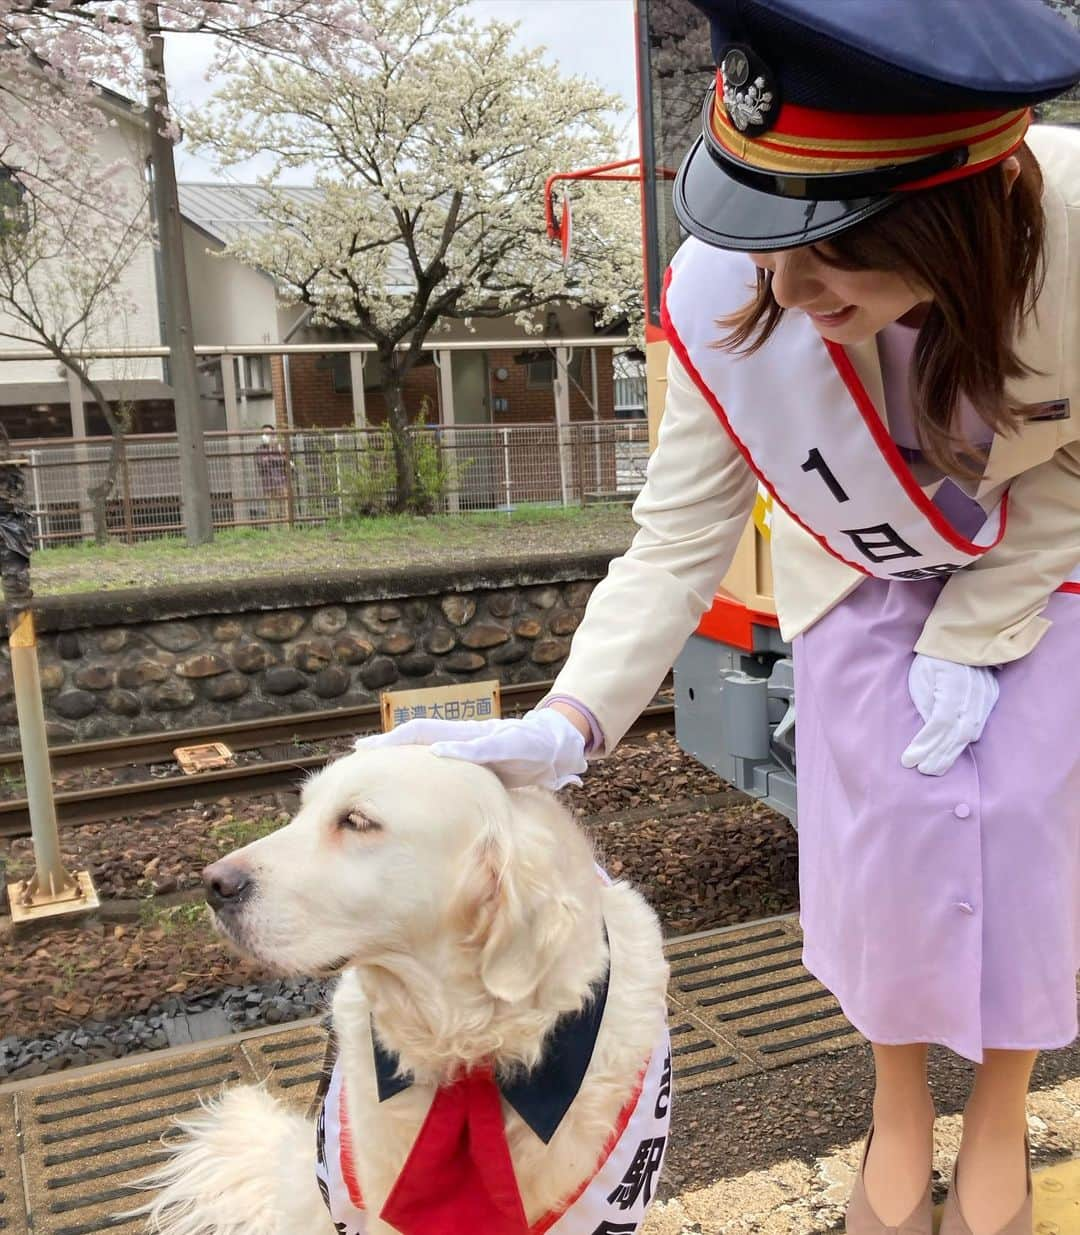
point(175, 919)
point(383, 542)
point(16, 868)
point(11, 783)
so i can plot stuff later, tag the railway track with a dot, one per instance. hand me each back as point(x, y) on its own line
point(101, 804)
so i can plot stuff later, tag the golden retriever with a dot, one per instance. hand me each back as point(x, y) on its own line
point(477, 939)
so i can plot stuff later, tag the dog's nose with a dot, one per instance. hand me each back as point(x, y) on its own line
point(227, 884)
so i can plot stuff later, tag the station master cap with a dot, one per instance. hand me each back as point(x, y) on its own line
point(824, 111)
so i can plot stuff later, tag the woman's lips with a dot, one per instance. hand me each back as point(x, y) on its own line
point(836, 317)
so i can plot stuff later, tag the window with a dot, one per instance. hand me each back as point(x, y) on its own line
point(341, 372)
point(255, 373)
point(541, 372)
point(13, 212)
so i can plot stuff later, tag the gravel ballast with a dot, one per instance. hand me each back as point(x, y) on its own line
point(703, 856)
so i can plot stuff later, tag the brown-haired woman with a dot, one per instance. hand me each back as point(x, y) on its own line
point(901, 372)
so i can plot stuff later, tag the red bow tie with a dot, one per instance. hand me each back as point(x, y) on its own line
point(458, 1178)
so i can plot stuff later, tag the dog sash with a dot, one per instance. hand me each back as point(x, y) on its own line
point(459, 1179)
point(805, 424)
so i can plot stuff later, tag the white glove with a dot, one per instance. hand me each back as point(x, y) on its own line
point(541, 748)
point(955, 701)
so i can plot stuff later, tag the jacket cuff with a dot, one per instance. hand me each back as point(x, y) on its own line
point(596, 734)
point(1009, 645)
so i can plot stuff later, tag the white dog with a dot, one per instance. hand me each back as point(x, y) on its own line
point(503, 1065)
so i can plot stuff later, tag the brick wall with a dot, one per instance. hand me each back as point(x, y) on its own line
point(316, 404)
point(277, 386)
point(421, 397)
point(532, 404)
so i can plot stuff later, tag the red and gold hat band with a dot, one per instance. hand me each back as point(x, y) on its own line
point(803, 141)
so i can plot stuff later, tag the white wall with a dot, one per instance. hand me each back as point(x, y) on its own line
point(124, 141)
point(230, 302)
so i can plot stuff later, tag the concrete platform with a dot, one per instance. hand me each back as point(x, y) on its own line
point(796, 1197)
point(73, 1144)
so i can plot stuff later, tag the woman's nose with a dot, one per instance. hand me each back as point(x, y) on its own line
point(793, 283)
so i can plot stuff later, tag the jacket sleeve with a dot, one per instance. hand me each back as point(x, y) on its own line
point(698, 494)
point(989, 613)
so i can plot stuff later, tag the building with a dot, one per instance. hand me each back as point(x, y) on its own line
point(38, 398)
point(509, 381)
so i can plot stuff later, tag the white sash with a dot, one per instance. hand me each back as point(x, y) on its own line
point(624, 1183)
point(614, 1198)
point(334, 1170)
point(803, 420)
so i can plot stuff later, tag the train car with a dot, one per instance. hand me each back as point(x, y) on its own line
point(734, 684)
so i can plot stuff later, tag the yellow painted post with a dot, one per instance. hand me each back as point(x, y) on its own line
point(50, 876)
point(52, 891)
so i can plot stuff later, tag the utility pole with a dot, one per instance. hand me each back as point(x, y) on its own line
point(179, 335)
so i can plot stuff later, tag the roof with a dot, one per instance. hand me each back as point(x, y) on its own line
point(229, 212)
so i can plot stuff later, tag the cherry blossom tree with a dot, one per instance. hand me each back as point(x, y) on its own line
point(431, 138)
point(71, 228)
point(56, 57)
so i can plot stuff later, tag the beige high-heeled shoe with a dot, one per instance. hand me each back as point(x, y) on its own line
point(861, 1219)
point(1021, 1223)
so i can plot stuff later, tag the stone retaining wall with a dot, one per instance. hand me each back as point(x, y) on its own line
point(114, 663)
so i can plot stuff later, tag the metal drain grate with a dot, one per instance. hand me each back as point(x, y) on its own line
point(12, 1208)
point(290, 1062)
point(739, 1002)
point(85, 1141)
point(748, 1004)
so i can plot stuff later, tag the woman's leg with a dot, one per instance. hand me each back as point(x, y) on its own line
point(902, 1151)
point(991, 1177)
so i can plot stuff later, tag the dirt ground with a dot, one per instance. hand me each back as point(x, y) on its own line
point(699, 867)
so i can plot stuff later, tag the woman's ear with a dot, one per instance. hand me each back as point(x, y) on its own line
point(1011, 170)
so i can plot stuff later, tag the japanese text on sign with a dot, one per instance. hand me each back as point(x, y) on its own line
point(467, 701)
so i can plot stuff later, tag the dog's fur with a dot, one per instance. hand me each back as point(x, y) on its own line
point(471, 917)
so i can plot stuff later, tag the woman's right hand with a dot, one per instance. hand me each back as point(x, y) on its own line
point(544, 747)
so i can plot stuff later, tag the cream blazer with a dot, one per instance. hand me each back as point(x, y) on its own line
point(699, 493)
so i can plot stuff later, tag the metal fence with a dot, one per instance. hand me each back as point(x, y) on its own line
point(318, 476)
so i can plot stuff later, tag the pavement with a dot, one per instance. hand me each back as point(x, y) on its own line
point(772, 1102)
point(807, 1195)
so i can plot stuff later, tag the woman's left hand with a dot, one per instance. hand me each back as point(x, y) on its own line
point(955, 701)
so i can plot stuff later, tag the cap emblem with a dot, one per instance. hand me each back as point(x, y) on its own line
point(750, 94)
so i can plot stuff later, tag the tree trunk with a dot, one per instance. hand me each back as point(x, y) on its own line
point(397, 419)
point(99, 493)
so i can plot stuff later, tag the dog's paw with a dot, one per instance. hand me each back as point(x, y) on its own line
point(243, 1166)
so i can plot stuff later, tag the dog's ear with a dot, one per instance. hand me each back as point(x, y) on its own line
point(515, 914)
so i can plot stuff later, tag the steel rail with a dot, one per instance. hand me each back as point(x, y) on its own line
point(114, 801)
point(244, 735)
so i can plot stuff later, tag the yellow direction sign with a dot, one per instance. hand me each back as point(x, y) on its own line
point(468, 701)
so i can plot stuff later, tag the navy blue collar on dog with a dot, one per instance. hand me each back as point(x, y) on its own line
point(543, 1096)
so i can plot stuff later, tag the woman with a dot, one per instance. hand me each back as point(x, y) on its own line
point(902, 372)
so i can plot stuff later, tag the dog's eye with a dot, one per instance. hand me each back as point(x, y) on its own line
point(354, 821)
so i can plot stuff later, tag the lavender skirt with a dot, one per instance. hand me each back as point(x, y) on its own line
point(939, 909)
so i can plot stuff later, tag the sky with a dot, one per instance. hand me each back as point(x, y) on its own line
point(591, 38)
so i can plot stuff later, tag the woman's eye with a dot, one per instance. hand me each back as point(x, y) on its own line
point(356, 822)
